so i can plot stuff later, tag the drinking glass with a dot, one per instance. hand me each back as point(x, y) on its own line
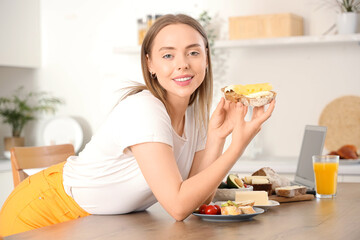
point(325, 171)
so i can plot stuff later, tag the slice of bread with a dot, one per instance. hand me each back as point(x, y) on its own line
point(230, 210)
point(247, 210)
point(290, 191)
point(257, 101)
point(246, 203)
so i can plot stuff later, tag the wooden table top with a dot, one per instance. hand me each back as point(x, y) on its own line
point(337, 218)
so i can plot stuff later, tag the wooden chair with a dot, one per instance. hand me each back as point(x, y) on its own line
point(37, 157)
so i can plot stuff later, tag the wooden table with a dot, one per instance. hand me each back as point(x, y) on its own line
point(337, 218)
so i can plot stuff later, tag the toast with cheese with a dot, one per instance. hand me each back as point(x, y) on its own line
point(255, 95)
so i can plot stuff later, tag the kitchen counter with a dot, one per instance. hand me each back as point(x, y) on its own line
point(287, 166)
point(317, 219)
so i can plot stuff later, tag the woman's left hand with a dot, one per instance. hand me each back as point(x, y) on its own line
point(223, 120)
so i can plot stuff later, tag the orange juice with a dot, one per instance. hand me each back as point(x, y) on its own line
point(326, 177)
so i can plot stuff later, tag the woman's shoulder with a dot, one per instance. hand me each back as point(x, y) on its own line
point(142, 103)
point(142, 100)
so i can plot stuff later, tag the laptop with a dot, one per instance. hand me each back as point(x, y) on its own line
point(312, 144)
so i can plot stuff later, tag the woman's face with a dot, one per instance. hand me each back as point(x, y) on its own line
point(178, 58)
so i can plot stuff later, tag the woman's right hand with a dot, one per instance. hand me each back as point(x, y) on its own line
point(245, 131)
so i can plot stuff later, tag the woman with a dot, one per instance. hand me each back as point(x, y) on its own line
point(153, 146)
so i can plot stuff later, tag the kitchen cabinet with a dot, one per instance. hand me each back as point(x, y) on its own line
point(20, 33)
point(6, 180)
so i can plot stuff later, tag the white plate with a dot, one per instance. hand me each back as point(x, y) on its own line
point(349, 161)
point(62, 130)
point(272, 203)
point(229, 218)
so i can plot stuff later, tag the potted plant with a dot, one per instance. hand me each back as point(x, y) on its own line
point(347, 16)
point(20, 108)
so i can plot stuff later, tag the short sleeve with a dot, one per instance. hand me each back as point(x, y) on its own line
point(201, 139)
point(141, 118)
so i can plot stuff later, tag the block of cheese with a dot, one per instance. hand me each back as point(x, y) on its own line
point(250, 179)
point(260, 197)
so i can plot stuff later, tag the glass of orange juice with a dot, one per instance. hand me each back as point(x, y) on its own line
point(326, 171)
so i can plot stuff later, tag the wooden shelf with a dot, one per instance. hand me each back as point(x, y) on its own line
point(288, 41)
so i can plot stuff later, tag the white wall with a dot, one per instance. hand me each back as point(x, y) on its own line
point(79, 63)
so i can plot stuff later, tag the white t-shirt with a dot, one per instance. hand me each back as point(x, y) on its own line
point(107, 164)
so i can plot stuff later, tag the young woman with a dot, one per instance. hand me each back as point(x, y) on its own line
point(158, 143)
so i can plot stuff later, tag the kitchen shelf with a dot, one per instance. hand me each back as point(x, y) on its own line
point(287, 41)
point(300, 40)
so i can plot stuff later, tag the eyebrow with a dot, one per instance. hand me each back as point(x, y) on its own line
point(187, 47)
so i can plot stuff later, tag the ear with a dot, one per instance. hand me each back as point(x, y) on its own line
point(149, 63)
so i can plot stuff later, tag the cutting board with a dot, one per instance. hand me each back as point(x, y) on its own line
point(304, 197)
point(342, 119)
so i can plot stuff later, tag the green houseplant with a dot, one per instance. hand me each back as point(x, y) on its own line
point(348, 5)
point(20, 108)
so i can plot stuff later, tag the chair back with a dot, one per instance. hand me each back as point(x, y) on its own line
point(37, 157)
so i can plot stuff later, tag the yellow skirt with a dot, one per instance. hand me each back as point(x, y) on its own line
point(40, 200)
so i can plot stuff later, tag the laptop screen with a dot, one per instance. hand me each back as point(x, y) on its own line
point(313, 143)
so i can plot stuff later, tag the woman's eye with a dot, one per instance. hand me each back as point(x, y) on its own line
point(167, 56)
point(194, 53)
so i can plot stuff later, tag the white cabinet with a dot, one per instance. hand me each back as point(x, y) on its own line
point(20, 33)
point(6, 185)
point(6, 180)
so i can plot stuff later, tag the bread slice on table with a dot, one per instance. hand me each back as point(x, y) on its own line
point(275, 179)
point(290, 191)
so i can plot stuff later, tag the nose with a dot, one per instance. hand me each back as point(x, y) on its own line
point(182, 63)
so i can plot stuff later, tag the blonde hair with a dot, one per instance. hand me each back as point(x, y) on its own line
point(202, 96)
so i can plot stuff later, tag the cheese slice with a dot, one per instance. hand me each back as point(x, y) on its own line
point(259, 181)
point(260, 197)
point(249, 179)
point(250, 89)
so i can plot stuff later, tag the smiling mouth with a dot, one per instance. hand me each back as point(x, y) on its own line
point(183, 79)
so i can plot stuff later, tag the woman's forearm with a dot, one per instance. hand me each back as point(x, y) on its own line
point(208, 180)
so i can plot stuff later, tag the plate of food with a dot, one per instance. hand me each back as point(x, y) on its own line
point(230, 218)
point(228, 212)
point(271, 203)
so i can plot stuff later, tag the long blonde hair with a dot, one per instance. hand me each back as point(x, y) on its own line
point(202, 96)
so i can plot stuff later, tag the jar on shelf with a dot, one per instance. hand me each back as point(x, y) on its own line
point(149, 21)
point(157, 16)
point(142, 29)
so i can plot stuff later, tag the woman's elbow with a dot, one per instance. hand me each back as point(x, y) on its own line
point(179, 214)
